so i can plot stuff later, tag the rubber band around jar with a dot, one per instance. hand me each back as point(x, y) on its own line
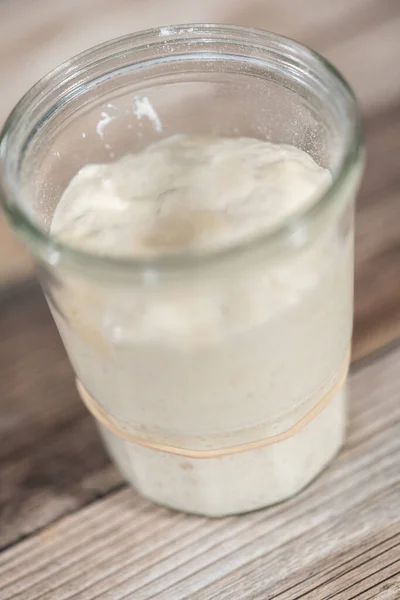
point(100, 414)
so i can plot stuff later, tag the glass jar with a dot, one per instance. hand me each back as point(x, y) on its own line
point(218, 378)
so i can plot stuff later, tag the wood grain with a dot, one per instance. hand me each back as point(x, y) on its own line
point(340, 538)
point(43, 430)
point(377, 249)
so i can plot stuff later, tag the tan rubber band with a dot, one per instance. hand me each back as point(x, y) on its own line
point(100, 414)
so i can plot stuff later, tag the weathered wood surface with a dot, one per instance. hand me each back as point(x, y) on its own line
point(377, 276)
point(44, 472)
point(340, 538)
point(68, 526)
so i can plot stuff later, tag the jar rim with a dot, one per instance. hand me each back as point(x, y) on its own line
point(53, 251)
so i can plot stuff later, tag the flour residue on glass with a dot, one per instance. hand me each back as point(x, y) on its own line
point(143, 108)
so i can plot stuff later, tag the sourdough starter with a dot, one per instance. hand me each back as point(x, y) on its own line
point(205, 358)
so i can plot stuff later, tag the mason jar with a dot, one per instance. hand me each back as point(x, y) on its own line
point(218, 378)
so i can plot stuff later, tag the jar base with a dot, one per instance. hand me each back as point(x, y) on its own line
point(236, 483)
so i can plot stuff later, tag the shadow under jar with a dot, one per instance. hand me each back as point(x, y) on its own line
point(218, 378)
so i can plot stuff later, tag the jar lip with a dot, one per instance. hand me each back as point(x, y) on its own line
point(51, 250)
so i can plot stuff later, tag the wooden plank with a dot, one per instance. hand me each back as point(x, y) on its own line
point(377, 277)
point(44, 473)
point(339, 539)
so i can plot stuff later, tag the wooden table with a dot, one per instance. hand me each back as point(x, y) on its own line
point(69, 526)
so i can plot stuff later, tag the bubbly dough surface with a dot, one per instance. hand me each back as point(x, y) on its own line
point(186, 193)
